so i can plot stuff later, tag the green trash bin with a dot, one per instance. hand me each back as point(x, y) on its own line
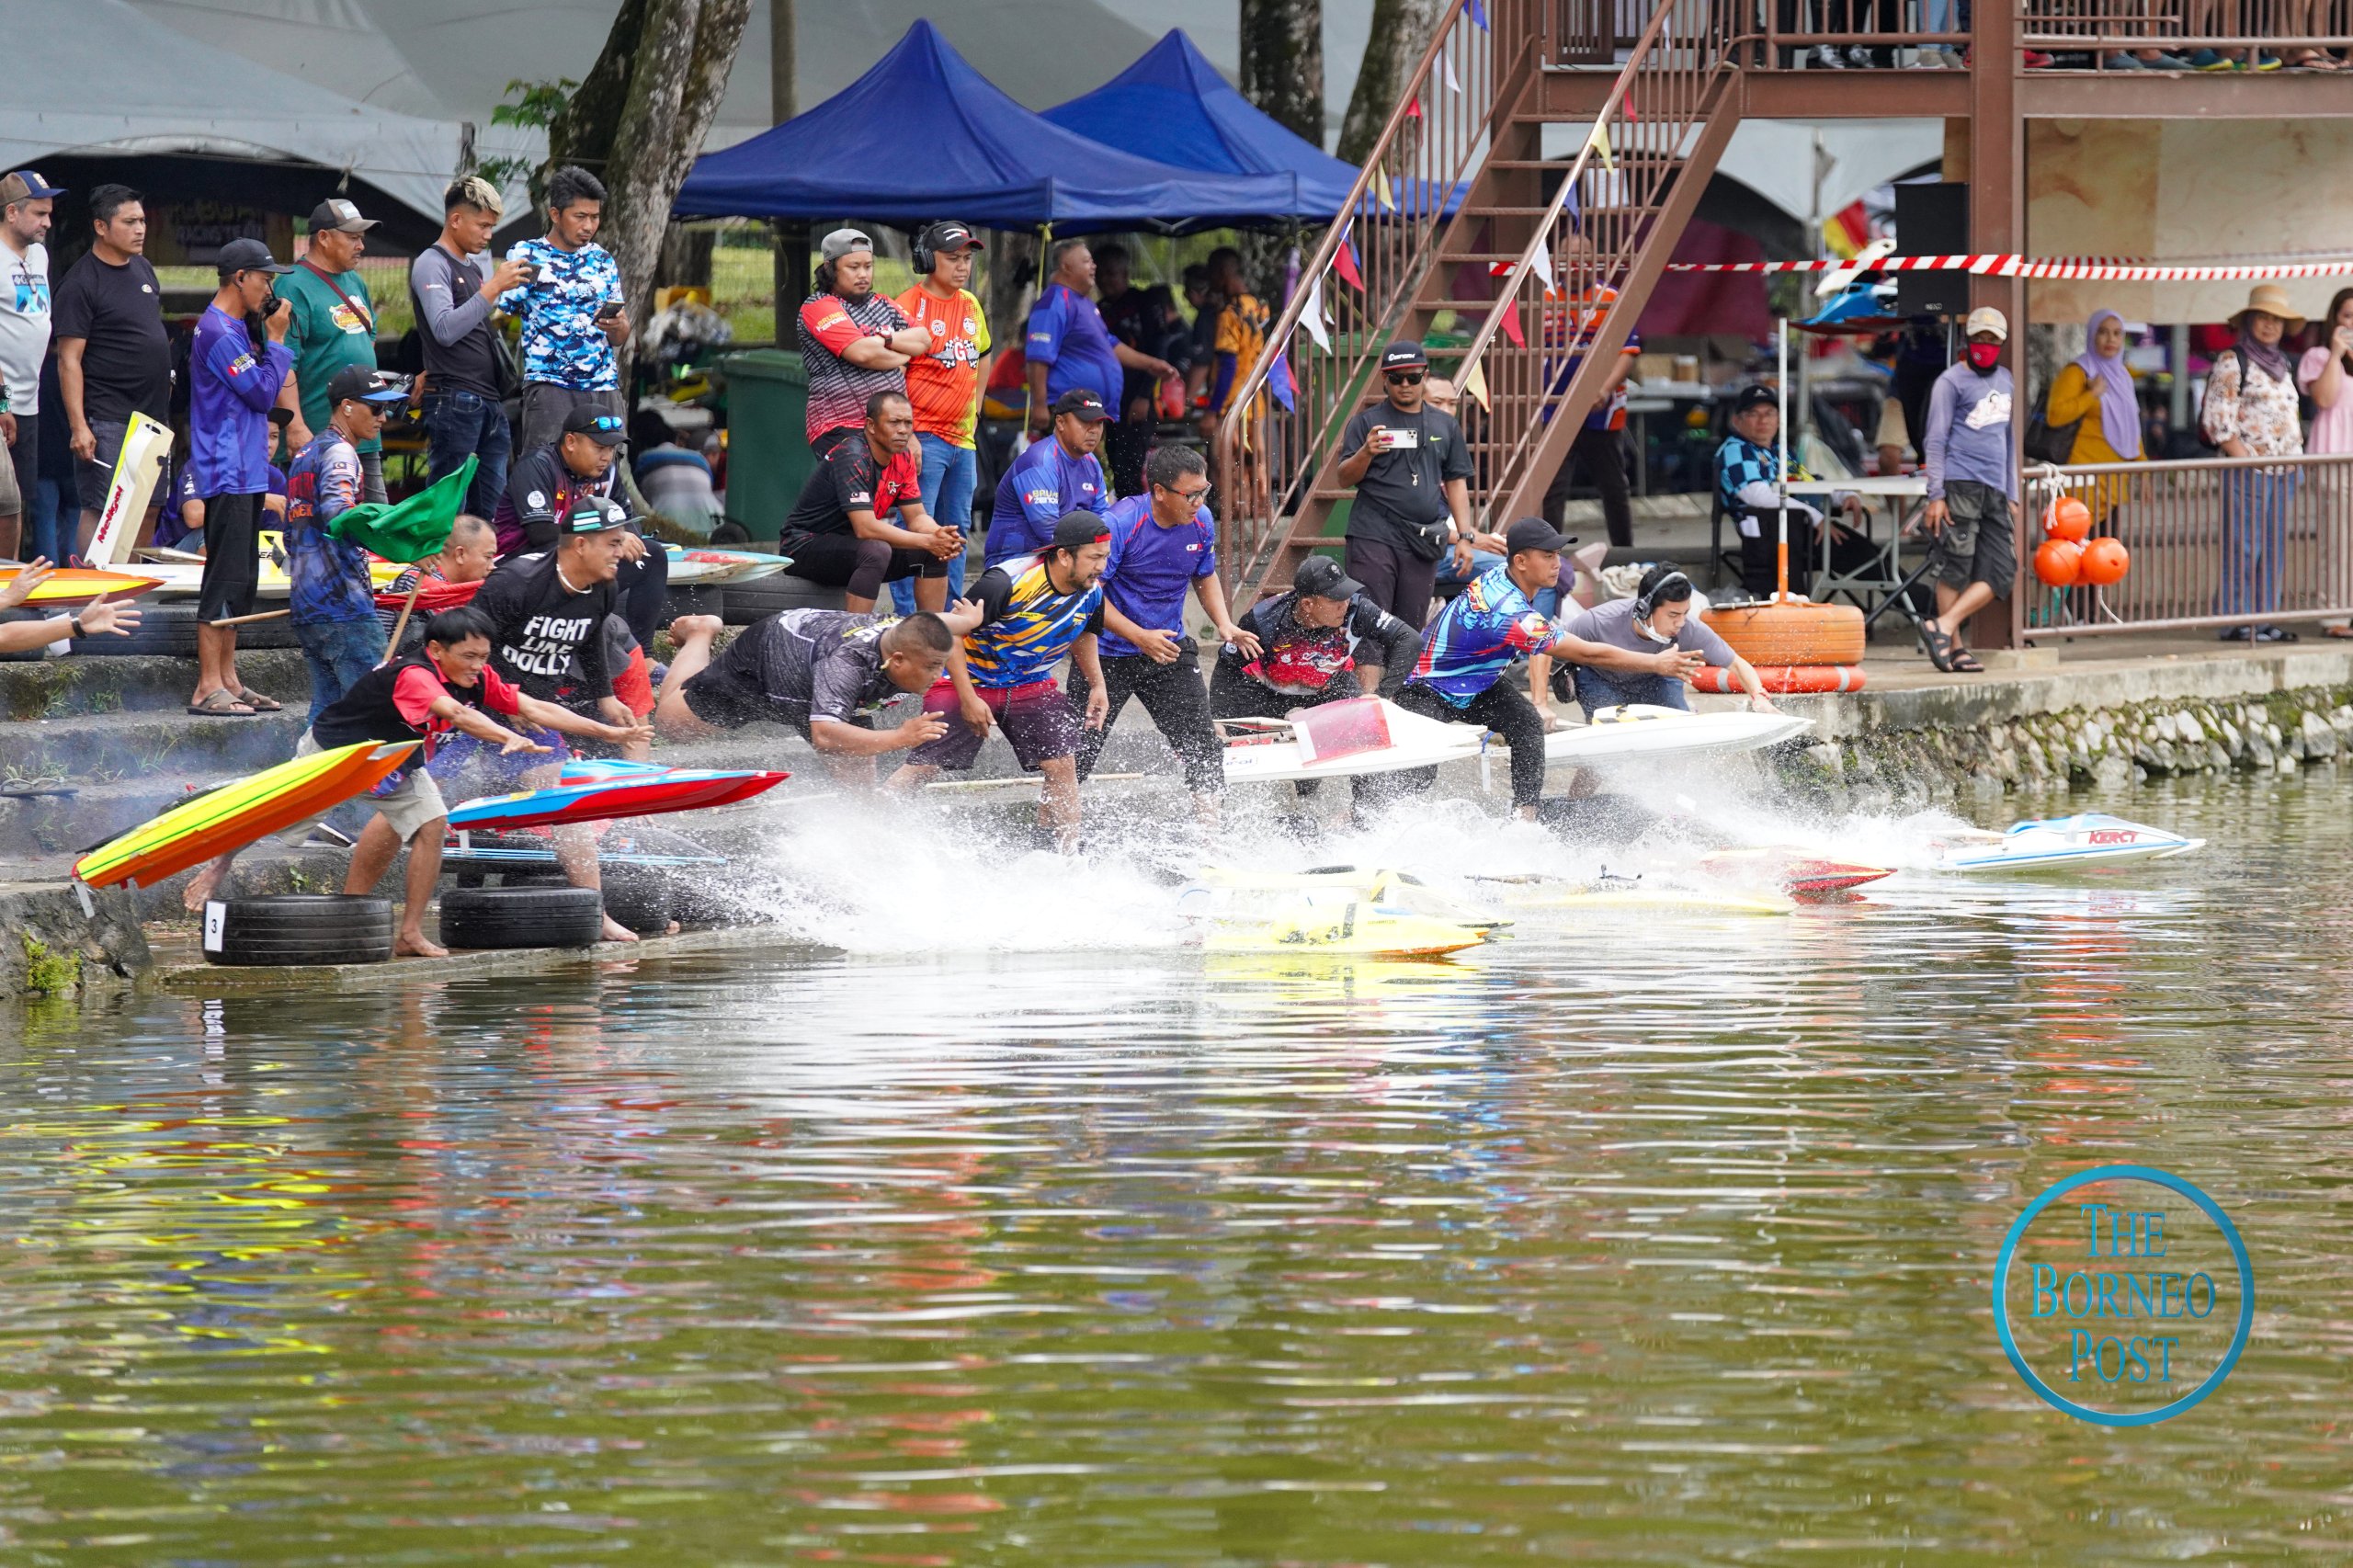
point(768, 437)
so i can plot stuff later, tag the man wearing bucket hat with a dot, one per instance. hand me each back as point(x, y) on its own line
point(2251, 412)
point(854, 342)
point(1972, 516)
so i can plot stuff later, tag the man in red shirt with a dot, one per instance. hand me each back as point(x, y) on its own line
point(838, 533)
point(854, 342)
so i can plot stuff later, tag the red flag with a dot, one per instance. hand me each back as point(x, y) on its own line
point(1413, 108)
point(1511, 326)
point(1345, 264)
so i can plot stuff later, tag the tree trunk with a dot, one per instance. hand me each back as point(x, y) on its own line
point(792, 271)
point(646, 107)
point(1401, 31)
point(1282, 61)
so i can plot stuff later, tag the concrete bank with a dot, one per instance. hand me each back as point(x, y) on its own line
point(2106, 713)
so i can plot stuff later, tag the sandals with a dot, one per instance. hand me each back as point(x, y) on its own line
point(1938, 641)
point(1965, 663)
point(222, 704)
point(258, 702)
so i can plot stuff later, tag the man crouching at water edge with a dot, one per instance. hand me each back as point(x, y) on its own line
point(823, 672)
point(1658, 616)
point(1477, 636)
point(447, 688)
point(1032, 612)
point(547, 614)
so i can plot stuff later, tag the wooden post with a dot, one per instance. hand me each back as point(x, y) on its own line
point(393, 643)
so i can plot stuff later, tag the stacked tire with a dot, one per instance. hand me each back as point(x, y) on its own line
point(298, 928)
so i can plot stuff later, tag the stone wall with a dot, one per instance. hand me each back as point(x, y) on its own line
point(50, 947)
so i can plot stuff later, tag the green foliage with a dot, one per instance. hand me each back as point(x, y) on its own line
point(530, 103)
point(47, 973)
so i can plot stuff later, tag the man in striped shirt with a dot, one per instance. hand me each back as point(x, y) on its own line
point(854, 342)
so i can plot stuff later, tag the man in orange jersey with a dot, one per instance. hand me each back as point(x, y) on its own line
point(944, 383)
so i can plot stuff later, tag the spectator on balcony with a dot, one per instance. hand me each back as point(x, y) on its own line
point(2250, 412)
point(1411, 470)
point(2094, 393)
point(1069, 347)
point(2327, 375)
point(1972, 516)
point(572, 313)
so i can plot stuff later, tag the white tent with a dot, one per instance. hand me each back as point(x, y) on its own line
point(96, 77)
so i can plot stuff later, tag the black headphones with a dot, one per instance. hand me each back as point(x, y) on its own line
point(924, 256)
point(1646, 604)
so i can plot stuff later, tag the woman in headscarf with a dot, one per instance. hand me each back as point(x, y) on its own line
point(2327, 375)
point(2250, 412)
point(2094, 393)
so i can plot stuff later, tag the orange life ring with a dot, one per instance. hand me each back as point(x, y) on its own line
point(1793, 631)
point(1784, 677)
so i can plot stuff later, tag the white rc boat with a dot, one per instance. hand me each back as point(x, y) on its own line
point(2094, 839)
point(1642, 731)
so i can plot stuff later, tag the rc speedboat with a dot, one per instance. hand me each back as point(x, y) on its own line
point(2093, 839)
point(1644, 731)
point(593, 791)
point(1340, 740)
point(1391, 889)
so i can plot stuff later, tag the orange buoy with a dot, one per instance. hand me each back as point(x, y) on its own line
point(2067, 519)
point(1789, 632)
point(2106, 561)
point(1783, 677)
point(2059, 562)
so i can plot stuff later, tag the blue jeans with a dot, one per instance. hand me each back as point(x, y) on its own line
point(1606, 688)
point(47, 532)
point(949, 474)
point(461, 424)
point(2254, 538)
point(339, 653)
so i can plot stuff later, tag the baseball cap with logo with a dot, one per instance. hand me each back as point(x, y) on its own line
point(1402, 354)
point(1084, 404)
point(26, 185)
point(1078, 529)
point(600, 425)
point(1321, 577)
point(1985, 318)
point(841, 241)
point(594, 515)
point(339, 215)
point(943, 237)
point(246, 255)
point(357, 382)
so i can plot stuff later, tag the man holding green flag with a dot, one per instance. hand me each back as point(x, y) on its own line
point(333, 601)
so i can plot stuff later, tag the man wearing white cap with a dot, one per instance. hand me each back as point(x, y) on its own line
point(1972, 516)
point(855, 343)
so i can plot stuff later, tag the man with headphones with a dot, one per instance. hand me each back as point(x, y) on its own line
point(944, 384)
point(1658, 616)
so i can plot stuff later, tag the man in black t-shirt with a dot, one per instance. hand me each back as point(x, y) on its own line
point(113, 359)
point(547, 481)
point(836, 533)
point(1411, 470)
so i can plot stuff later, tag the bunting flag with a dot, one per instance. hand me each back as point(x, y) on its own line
point(1474, 384)
point(1311, 316)
point(1542, 262)
point(1477, 13)
point(2102, 269)
point(1599, 143)
point(1413, 106)
point(1445, 64)
point(1511, 326)
point(1280, 380)
point(1345, 263)
point(1380, 191)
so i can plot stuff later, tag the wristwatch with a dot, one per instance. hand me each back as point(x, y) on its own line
point(74, 621)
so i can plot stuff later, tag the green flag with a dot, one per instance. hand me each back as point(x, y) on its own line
point(406, 530)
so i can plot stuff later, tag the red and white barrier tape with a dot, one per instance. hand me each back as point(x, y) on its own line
point(2104, 270)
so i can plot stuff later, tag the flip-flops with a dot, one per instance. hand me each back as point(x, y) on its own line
point(222, 704)
point(258, 702)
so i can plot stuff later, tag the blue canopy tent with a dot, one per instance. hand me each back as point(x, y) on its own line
point(1173, 107)
point(923, 136)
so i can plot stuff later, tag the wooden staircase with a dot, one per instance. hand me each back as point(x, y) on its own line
point(1464, 208)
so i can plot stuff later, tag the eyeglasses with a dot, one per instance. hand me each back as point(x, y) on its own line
point(1195, 496)
point(1405, 377)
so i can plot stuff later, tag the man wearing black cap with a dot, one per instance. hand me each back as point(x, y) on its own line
point(855, 343)
point(1748, 466)
point(1411, 470)
point(1479, 633)
point(944, 384)
point(547, 483)
point(236, 363)
point(548, 614)
point(859, 522)
point(331, 596)
point(25, 202)
point(331, 325)
point(1061, 473)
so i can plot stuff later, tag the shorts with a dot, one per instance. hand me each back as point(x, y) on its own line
point(830, 560)
point(232, 557)
point(1036, 718)
point(474, 768)
point(1975, 544)
point(409, 800)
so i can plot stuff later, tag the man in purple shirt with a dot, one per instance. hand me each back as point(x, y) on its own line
point(232, 389)
point(1054, 476)
point(1162, 542)
point(1068, 346)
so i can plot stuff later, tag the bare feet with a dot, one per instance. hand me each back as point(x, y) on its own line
point(201, 886)
point(617, 932)
point(412, 945)
point(687, 627)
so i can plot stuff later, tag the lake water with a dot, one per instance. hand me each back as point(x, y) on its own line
point(1632, 1240)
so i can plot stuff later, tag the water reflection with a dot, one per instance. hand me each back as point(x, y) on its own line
point(1643, 1241)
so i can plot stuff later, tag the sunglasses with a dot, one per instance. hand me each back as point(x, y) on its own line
point(1405, 377)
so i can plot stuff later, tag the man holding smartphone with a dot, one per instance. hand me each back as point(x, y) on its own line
point(571, 313)
point(1411, 470)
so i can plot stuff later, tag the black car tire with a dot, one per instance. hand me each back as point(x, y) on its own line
point(522, 918)
point(299, 928)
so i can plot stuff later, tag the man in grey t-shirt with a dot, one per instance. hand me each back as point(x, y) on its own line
point(456, 289)
point(25, 202)
point(1658, 616)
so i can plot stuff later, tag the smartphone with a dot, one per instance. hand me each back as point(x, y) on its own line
point(608, 310)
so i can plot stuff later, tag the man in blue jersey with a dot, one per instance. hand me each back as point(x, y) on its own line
point(1163, 543)
point(1058, 474)
point(1032, 613)
point(1477, 636)
point(1068, 346)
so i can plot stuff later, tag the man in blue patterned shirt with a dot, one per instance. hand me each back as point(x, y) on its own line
point(333, 603)
point(572, 311)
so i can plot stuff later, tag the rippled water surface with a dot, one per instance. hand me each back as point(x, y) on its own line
point(1636, 1240)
